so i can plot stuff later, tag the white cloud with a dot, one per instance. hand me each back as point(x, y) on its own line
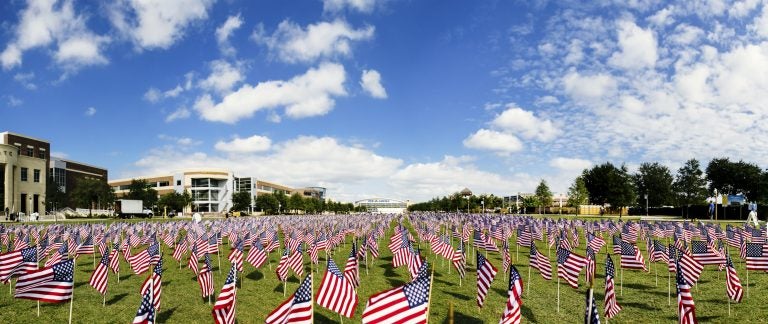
point(25, 79)
point(570, 164)
point(46, 22)
point(760, 25)
point(486, 139)
point(156, 24)
point(521, 122)
point(13, 101)
point(180, 113)
point(225, 31)
point(547, 100)
point(663, 17)
point(371, 83)
point(253, 144)
point(224, 76)
point(292, 43)
point(183, 142)
point(364, 6)
point(154, 95)
point(638, 47)
point(589, 88)
point(306, 95)
point(90, 111)
point(741, 9)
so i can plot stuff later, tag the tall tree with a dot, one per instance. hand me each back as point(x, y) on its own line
point(543, 195)
point(139, 189)
point(655, 180)
point(296, 202)
point(55, 198)
point(690, 186)
point(608, 184)
point(90, 193)
point(174, 201)
point(267, 203)
point(735, 177)
point(578, 194)
point(241, 200)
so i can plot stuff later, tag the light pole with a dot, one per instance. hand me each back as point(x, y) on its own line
point(483, 203)
point(517, 203)
point(278, 208)
point(560, 211)
point(646, 204)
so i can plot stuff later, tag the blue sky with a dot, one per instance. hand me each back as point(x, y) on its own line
point(387, 98)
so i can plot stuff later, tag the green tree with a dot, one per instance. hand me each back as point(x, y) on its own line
point(655, 180)
point(578, 194)
point(55, 198)
point(174, 201)
point(282, 201)
point(139, 189)
point(736, 177)
point(90, 193)
point(267, 203)
point(690, 187)
point(543, 195)
point(608, 184)
point(241, 200)
point(296, 202)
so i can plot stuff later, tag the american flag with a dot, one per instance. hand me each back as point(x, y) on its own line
point(256, 255)
point(506, 258)
point(141, 261)
point(691, 267)
point(337, 293)
point(282, 267)
point(523, 236)
point(373, 246)
point(732, 282)
point(756, 256)
point(486, 272)
point(569, 266)
point(156, 278)
point(672, 258)
point(460, 260)
point(659, 252)
point(351, 269)
point(192, 263)
point(17, 262)
point(99, 276)
point(297, 308)
point(704, 254)
point(85, 247)
point(591, 315)
point(612, 307)
point(404, 304)
point(236, 256)
point(296, 262)
point(512, 313)
point(595, 242)
point(686, 310)
point(180, 249)
point(414, 262)
point(731, 237)
point(540, 262)
point(616, 245)
point(631, 257)
point(50, 284)
point(55, 258)
point(146, 312)
point(224, 309)
point(591, 265)
point(205, 278)
point(401, 255)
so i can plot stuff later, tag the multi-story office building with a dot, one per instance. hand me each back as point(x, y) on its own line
point(23, 172)
point(66, 173)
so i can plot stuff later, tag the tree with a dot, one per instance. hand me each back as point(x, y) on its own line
point(54, 196)
point(241, 200)
point(139, 189)
point(90, 192)
point(543, 195)
point(267, 203)
point(296, 202)
point(608, 184)
point(735, 177)
point(174, 201)
point(690, 186)
point(282, 201)
point(655, 180)
point(578, 194)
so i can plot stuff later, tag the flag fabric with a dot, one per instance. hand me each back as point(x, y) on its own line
point(297, 308)
point(146, 312)
point(569, 266)
point(155, 281)
point(705, 255)
point(612, 307)
point(732, 282)
point(337, 293)
point(351, 269)
point(404, 304)
point(296, 262)
point(506, 258)
point(17, 262)
point(282, 267)
point(595, 242)
point(591, 315)
point(631, 257)
point(55, 258)
point(659, 252)
point(692, 268)
point(512, 314)
point(224, 309)
point(256, 256)
point(99, 276)
point(591, 265)
point(85, 247)
point(616, 244)
point(460, 260)
point(540, 262)
point(486, 272)
point(205, 278)
point(686, 310)
point(756, 256)
point(114, 258)
point(142, 260)
point(52, 284)
point(236, 256)
point(180, 249)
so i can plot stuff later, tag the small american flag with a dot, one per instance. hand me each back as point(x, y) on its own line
point(612, 307)
point(732, 282)
point(296, 262)
point(205, 278)
point(337, 293)
point(631, 257)
point(595, 242)
point(591, 265)
point(192, 263)
point(99, 276)
point(691, 267)
point(256, 255)
point(686, 309)
point(297, 308)
point(141, 261)
point(282, 267)
point(591, 315)
point(181, 248)
point(55, 258)
point(224, 309)
point(155, 281)
point(659, 252)
point(236, 256)
point(146, 312)
point(540, 262)
point(17, 262)
point(50, 284)
point(704, 254)
point(351, 269)
point(460, 260)
point(114, 259)
point(404, 304)
point(486, 272)
point(512, 313)
point(756, 256)
point(569, 266)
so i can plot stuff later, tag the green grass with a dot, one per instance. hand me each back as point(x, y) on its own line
point(643, 301)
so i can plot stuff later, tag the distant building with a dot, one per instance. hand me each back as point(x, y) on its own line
point(23, 172)
point(66, 173)
point(383, 205)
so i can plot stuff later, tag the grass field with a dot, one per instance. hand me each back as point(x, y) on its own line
point(643, 300)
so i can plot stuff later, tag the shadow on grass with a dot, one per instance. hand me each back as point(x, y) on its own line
point(387, 258)
point(165, 315)
point(638, 286)
point(444, 282)
point(293, 279)
point(527, 313)
point(640, 306)
point(116, 298)
point(320, 318)
point(125, 277)
point(501, 292)
point(395, 282)
point(255, 275)
point(456, 295)
point(77, 285)
point(278, 288)
point(166, 282)
point(461, 318)
point(389, 272)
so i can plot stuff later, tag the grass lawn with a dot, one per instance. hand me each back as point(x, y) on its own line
point(643, 299)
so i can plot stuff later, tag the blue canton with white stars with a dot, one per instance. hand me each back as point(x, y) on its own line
point(333, 269)
point(609, 268)
point(304, 293)
point(562, 255)
point(754, 250)
point(64, 271)
point(417, 291)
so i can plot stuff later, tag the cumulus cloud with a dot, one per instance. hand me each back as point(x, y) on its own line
point(224, 31)
point(306, 95)
point(26, 80)
point(180, 113)
point(588, 88)
point(637, 47)
point(156, 24)
point(490, 140)
point(255, 143)
point(224, 76)
point(570, 164)
point(371, 83)
point(364, 6)
point(291, 43)
point(90, 112)
point(519, 121)
point(51, 22)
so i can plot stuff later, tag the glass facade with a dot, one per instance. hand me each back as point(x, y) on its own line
point(60, 177)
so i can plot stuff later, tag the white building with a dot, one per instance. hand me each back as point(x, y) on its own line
point(383, 205)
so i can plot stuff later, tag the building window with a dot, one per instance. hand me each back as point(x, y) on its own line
point(163, 184)
point(24, 174)
point(178, 182)
point(30, 151)
point(41, 154)
point(36, 175)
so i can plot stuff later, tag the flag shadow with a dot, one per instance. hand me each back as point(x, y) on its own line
point(464, 319)
point(116, 298)
point(395, 282)
point(165, 315)
point(255, 275)
point(456, 295)
point(527, 313)
point(640, 306)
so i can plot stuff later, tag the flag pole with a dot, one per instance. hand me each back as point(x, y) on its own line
point(621, 293)
point(527, 290)
point(747, 282)
point(429, 295)
point(72, 298)
point(558, 293)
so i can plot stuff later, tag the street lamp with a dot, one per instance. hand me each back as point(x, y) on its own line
point(278, 208)
point(646, 204)
point(483, 203)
